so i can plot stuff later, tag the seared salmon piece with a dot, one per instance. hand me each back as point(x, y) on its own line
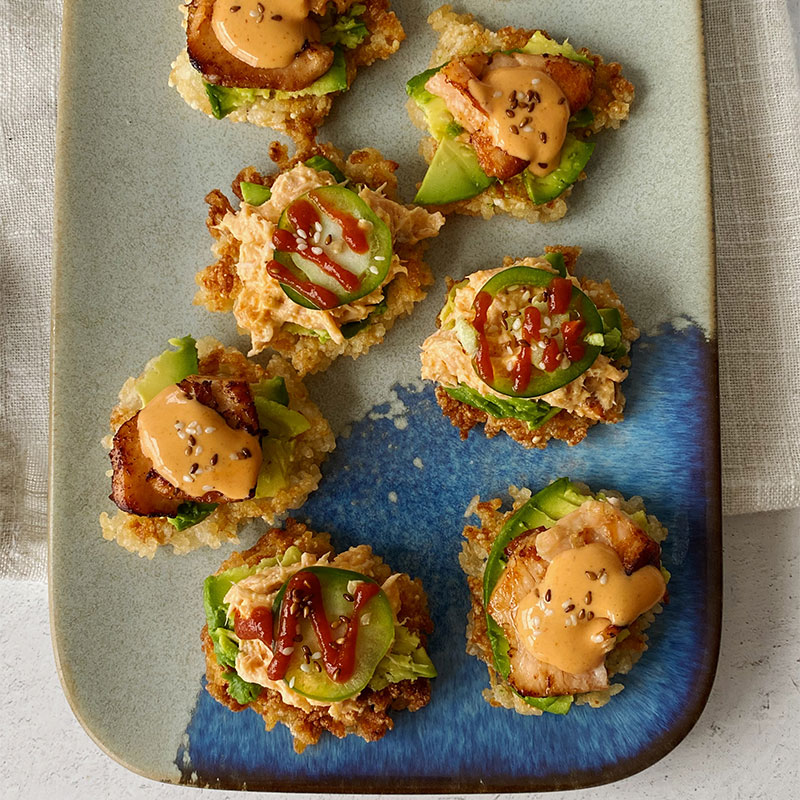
point(222, 68)
point(136, 487)
point(451, 83)
point(528, 558)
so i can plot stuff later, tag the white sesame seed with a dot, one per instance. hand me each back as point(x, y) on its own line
point(535, 81)
point(316, 656)
point(291, 682)
point(373, 270)
point(181, 435)
point(198, 450)
point(547, 321)
point(210, 430)
point(536, 622)
point(380, 258)
point(548, 612)
point(517, 324)
point(302, 234)
point(317, 227)
point(365, 618)
point(305, 667)
point(541, 345)
point(527, 129)
point(317, 251)
point(565, 604)
point(497, 94)
point(208, 487)
point(233, 456)
point(188, 479)
point(597, 638)
point(287, 651)
point(315, 238)
point(603, 579)
point(301, 246)
point(198, 471)
point(573, 619)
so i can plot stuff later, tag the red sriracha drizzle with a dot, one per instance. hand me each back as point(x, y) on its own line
point(551, 356)
point(559, 295)
point(304, 591)
point(354, 237)
point(531, 332)
point(483, 359)
point(257, 626)
point(319, 295)
point(303, 216)
point(574, 347)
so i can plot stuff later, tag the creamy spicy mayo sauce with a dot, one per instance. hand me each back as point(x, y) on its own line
point(191, 446)
point(528, 112)
point(585, 590)
point(266, 34)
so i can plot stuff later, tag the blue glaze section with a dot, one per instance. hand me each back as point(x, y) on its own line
point(665, 450)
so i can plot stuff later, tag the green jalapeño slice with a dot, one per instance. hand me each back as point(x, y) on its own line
point(330, 248)
point(538, 324)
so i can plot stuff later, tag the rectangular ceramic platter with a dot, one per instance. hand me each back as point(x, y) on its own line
point(134, 163)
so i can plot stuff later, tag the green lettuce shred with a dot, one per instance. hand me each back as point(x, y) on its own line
point(347, 30)
point(406, 661)
point(534, 412)
point(539, 44)
point(220, 626)
point(190, 514)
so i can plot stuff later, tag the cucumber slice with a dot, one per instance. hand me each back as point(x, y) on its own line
point(331, 207)
point(574, 157)
point(373, 642)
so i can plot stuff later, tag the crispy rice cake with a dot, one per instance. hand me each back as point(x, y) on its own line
point(366, 715)
point(144, 535)
point(569, 426)
point(460, 35)
point(220, 284)
point(474, 554)
point(298, 117)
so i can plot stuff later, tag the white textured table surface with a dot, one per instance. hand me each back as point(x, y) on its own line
point(746, 745)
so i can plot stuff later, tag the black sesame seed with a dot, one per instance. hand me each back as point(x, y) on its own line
point(509, 113)
point(570, 607)
point(543, 137)
point(192, 441)
point(347, 596)
point(536, 97)
point(234, 9)
point(547, 595)
point(588, 598)
point(193, 468)
point(246, 453)
point(592, 576)
point(562, 101)
point(514, 129)
point(214, 459)
point(277, 17)
point(590, 615)
point(543, 164)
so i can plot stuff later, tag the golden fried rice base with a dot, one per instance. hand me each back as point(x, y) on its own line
point(460, 35)
point(219, 282)
point(474, 554)
point(298, 117)
point(370, 718)
point(566, 425)
point(144, 535)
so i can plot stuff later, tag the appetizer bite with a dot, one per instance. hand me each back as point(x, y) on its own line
point(531, 350)
point(279, 63)
point(203, 441)
point(510, 115)
point(315, 640)
point(563, 587)
point(318, 260)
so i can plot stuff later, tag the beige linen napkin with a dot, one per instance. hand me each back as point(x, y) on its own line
point(754, 112)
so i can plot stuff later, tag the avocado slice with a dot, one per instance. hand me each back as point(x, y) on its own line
point(440, 121)
point(322, 164)
point(254, 193)
point(372, 644)
point(172, 366)
point(271, 389)
point(279, 421)
point(574, 157)
point(553, 500)
point(454, 174)
point(224, 99)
